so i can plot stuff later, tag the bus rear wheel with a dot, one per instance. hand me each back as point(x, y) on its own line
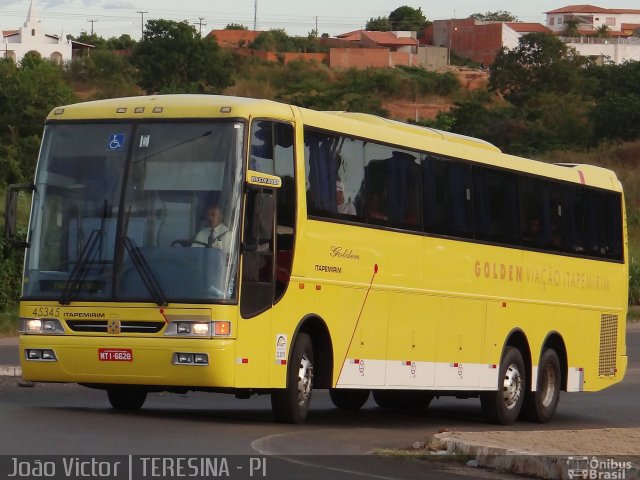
point(291, 404)
point(503, 405)
point(349, 398)
point(540, 406)
point(413, 400)
point(127, 399)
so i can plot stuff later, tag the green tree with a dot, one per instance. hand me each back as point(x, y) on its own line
point(379, 24)
point(28, 92)
point(123, 42)
point(497, 16)
point(104, 72)
point(172, 58)
point(616, 111)
point(235, 26)
point(277, 40)
point(602, 31)
point(540, 63)
point(407, 18)
point(90, 39)
point(571, 26)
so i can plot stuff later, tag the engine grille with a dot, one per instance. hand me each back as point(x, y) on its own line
point(100, 326)
point(608, 345)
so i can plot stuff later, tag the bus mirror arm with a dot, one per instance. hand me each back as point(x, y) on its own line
point(11, 213)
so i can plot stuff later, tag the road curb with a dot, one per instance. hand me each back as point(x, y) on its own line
point(526, 463)
point(10, 371)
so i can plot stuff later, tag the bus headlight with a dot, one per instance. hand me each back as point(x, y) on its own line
point(186, 328)
point(200, 328)
point(50, 326)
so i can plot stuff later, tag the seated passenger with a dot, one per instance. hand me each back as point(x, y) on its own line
point(343, 206)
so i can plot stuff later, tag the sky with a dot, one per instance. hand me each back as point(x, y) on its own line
point(298, 17)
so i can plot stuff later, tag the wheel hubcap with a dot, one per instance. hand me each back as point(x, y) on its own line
point(305, 380)
point(512, 386)
point(549, 387)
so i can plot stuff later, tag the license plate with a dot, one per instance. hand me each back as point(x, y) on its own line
point(115, 355)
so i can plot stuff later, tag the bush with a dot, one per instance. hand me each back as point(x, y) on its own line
point(10, 274)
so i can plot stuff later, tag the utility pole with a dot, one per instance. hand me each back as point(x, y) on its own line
point(451, 27)
point(142, 21)
point(201, 23)
point(255, 16)
point(92, 22)
point(316, 25)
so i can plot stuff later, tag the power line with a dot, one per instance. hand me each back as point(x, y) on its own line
point(142, 21)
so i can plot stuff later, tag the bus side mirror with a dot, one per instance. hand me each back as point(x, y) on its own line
point(11, 213)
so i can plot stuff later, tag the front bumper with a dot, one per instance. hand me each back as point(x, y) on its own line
point(78, 361)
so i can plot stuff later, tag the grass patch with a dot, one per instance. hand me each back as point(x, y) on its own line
point(9, 322)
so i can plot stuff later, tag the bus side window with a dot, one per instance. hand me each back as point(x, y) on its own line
point(495, 207)
point(393, 187)
point(335, 176)
point(447, 201)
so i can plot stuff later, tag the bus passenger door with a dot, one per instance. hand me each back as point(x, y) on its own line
point(256, 290)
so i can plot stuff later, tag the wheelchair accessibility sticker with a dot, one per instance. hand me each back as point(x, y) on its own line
point(116, 141)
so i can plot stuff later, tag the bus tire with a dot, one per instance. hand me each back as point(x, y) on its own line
point(503, 405)
point(291, 404)
point(413, 400)
point(540, 406)
point(127, 399)
point(349, 398)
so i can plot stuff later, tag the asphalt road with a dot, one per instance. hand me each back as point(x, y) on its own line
point(71, 420)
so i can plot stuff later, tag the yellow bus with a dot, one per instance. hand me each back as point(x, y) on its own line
point(224, 244)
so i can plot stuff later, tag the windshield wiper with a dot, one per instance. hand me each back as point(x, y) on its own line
point(148, 278)
point(79, 271)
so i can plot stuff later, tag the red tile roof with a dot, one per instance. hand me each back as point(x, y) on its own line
point(388, 38)
point(381, 38)
point(10, 33)
point(630, 26)
point(579, 9)
point(355, 33)
point(593, 9)
point(522, 27)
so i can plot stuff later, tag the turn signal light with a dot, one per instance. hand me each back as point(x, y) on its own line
point(222, 328)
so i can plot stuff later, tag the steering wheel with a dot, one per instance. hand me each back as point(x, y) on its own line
point(187, 243)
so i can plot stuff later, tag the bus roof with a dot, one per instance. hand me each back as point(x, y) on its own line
point(171, 107)
point(355, 124)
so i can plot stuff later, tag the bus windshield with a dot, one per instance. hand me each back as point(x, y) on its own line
point(144, 212)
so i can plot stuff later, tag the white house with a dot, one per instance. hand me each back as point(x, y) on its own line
point(619, 21)
point(621, 44)
point(32, 38)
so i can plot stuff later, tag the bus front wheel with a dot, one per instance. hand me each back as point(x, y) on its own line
point(503, 405)
point(291, 404)
point(349, 398)
point(127, 398)
point(539, 406)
